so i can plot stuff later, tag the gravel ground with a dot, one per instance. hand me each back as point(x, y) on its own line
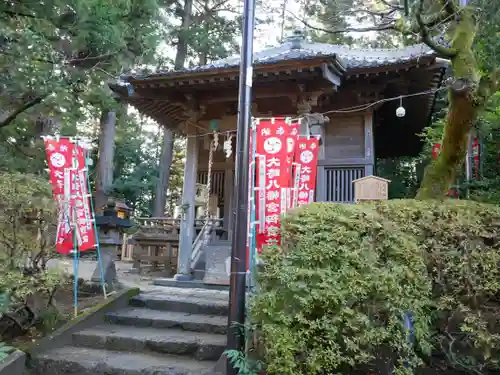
point(123, 269)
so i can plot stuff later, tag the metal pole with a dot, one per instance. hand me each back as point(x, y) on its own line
point(237, 290)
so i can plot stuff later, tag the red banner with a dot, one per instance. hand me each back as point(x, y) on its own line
point(476, 158)
point(436, 148)
point(271, 179)
point(306, 155)
point(59, 158)
point(293, 137)
point(67, 169)
point(80, 202)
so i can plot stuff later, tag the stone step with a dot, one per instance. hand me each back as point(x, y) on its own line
point(221, 242)
point(82, 361)
point(209, 305)
point(201, 346)
point(197, 283)
point(142, 317)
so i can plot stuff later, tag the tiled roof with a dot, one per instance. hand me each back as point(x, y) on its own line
point(350, 58)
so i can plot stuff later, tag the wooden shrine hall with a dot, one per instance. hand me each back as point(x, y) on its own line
point(294, 79)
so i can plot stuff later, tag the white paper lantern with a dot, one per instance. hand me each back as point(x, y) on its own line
point(401, 111)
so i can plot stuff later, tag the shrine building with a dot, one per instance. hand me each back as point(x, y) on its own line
point(349, 96)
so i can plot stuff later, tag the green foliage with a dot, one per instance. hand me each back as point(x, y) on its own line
point(242, 363)
point(50, 320)
point(57, 57)
point(404, 174)
point(245, 362)
point(332, 297)
point(487, 42)
point(55, 60)
point(461, 241)
point(27, 218)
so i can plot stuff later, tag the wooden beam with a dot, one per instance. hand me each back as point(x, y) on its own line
point(331, 77)
point(258, 93)
point(219, 73)
point(217, 96)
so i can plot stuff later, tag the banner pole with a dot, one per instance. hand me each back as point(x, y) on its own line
point(98, 247)
point(75, 264)
point(252, 248)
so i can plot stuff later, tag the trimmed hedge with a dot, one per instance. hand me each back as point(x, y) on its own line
point(461, 241)
point(332, 298)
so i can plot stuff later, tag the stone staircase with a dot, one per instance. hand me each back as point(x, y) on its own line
point(159, 333)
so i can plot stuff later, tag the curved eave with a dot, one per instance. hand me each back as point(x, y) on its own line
point(216, 75)
point(170, 113)
point(230, 73)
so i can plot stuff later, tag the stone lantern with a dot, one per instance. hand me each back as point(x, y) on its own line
point(111, 220)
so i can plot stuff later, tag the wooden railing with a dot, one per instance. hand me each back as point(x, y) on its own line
point(200, 241)
point(158, 224)
point(156, 243)
point(157, 239)
point(162, 226)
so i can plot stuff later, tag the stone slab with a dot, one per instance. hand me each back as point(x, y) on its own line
point(197, 293)
point(14, 364)
point(186, 304)
point(83, 361)
point(141, 317)
point(198, 284)
point(202, 346)
point(216, 258)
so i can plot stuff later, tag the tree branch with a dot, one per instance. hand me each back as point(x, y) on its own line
point(450, 7)
point(426, 37)
point(392, 5)
point(18, 148)
point(18, 14)
point(386, 26)
point(440, 17)
point(11, 117)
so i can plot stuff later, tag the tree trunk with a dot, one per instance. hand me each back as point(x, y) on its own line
point(164, 175)
point(468, 93)
point(165, 162)
point(105, 156)
point(182, 42)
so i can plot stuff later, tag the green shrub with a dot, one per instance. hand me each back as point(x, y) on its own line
point(331, 299)
point(27, 238)
point(337, 298)
point(461, 240)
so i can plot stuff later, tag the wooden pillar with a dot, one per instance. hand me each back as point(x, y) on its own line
point(228, 200)
point(369, 145)
point(187, 232)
